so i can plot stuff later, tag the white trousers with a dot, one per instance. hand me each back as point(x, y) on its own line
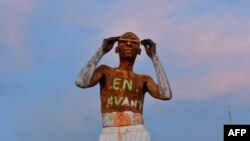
point(125, 133)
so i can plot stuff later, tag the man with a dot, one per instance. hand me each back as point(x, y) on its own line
point(122, 90)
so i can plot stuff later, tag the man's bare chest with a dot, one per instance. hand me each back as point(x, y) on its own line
point(123, 82)
point(122, 91)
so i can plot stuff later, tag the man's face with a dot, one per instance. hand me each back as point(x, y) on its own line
point(128, 48)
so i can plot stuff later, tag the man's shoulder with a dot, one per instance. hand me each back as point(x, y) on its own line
point(104, 67)
point(144, 76)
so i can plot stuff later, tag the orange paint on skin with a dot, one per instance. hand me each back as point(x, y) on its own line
point(137, 117)
point(119, 134)
point(122, 119)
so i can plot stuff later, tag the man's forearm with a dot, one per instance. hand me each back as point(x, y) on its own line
point(163, 83)
point(87, 72)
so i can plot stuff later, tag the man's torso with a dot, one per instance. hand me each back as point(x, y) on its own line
point(122, 97)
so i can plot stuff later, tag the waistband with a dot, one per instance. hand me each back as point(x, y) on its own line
point(123, 129)
point(125, 118)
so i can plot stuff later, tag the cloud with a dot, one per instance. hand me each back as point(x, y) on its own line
point(223, 38)
point(214, 44)
point(217, 43)
point(143, 19)
point(14, 15)
point(135, 16)
point(230, 81)
point(219, 49)
point(214, 84)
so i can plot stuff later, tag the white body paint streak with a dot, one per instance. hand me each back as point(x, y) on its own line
point(87, 72)
point(163, 83)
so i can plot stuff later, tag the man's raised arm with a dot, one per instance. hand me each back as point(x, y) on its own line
point(163, 83)
point(84, 77)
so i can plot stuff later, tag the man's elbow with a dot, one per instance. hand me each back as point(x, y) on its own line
point(167, 95)
point(165, 98)
point(79, 83)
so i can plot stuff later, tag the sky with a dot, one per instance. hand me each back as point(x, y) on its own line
point(202, 45)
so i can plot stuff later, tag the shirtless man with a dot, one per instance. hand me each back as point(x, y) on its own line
point(122, 90)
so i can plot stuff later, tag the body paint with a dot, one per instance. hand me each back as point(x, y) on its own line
point(163, 84)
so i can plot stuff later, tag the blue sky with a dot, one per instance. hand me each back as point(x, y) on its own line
point(203, 46)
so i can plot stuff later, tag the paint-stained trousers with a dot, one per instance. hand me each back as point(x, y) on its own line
point(125, 133)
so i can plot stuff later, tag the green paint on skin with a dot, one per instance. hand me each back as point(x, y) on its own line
point(129, 84)
point(123, 101)
point(116, 83)
point(110, 101)
point(117, 102)
point(126, 83)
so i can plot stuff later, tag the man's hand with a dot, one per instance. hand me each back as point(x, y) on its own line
point(150, 47)
point(108, 43)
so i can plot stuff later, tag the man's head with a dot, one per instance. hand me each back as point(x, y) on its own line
point(130, 35)
point(128, 45)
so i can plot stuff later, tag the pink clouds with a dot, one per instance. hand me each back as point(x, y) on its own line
point(215, 41)
point(224, 55)
point(14, 17)
point(232, 80)
point(214, 84)
point(206, 40)
point(140, 18)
